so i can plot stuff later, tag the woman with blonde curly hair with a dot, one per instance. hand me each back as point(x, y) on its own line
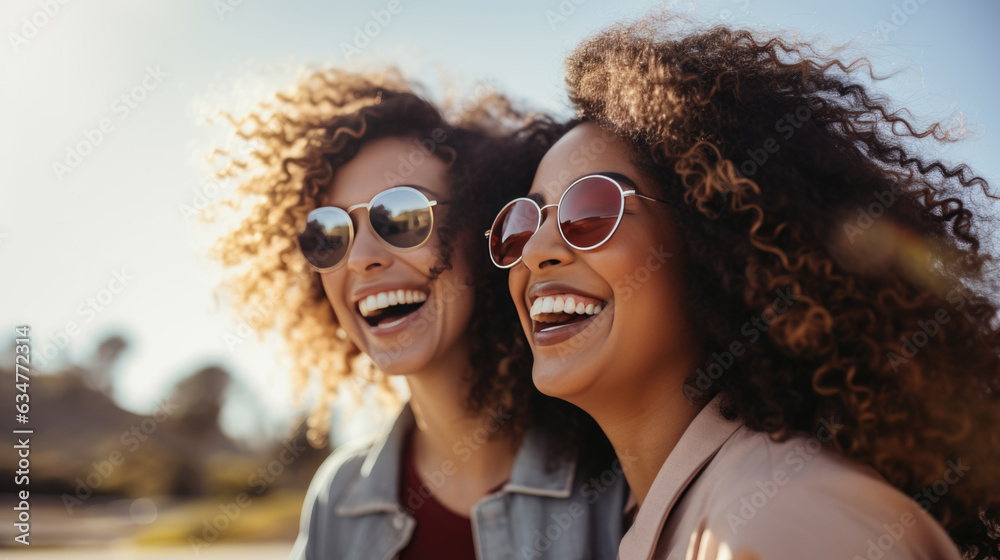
point(740, 267)
point(367, 203)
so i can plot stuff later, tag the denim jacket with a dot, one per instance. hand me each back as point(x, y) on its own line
point(352, 509)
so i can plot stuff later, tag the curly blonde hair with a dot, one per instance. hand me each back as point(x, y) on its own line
point(300, 140)
point(787, 174)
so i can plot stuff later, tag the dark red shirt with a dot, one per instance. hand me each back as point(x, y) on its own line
point(440, 532)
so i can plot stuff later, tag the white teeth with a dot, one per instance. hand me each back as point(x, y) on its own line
point(369, 305)
point(568, 305)
point(558, 306)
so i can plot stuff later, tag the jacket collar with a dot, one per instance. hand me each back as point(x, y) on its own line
point(377, 487)
point(529, 475)
point(698, 445)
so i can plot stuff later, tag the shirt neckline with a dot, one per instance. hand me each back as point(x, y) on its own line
point(702, 439)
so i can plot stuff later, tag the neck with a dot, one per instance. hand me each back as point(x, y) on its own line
point(644, 432)
point(470, 448)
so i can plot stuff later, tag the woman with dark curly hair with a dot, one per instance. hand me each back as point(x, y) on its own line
point(740, 267)
point(367, 205)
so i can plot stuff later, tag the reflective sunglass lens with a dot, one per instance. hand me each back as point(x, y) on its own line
point(589, 211)
point(402, 217)
point(511, 230)
point(327, 237)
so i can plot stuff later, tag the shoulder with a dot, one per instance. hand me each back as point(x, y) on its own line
point(796, 499)
point(332, 480)
point(337, 473)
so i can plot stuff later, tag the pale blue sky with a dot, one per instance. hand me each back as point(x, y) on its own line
point(64, 235)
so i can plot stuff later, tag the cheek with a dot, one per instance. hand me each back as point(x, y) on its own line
point(332, 285)
point(517, 282)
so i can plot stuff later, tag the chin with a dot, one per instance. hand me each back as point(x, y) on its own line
point(399, 365)
point(566, 383)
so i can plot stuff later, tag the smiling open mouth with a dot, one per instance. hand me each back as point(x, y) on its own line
point(554, 313)
point(390, 308)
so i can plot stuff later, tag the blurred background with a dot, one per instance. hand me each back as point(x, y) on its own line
point(163, 425)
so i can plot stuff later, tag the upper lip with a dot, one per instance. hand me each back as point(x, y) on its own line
point(541, 289)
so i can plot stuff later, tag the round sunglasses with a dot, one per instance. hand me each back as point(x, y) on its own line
point(588, 214)
point(401, 217)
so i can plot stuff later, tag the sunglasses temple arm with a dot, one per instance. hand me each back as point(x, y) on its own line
point(630, 192)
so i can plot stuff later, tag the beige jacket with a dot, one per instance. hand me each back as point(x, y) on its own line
point(726, 492)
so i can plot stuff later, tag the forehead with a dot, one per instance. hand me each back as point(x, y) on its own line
point(384, 163)
point(586, 149)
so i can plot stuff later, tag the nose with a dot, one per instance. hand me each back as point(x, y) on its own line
point(368, 253)
point(546, 247)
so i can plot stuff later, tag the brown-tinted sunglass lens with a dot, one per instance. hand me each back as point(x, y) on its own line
point(327, 237)
point(511, 230)
point(402, 217)
point(589, 211)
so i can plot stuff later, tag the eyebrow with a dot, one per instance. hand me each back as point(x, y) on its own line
point(618, 177)
point(538, 198)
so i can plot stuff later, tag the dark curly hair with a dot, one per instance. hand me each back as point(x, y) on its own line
point(786, 173)
point(300, 140)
